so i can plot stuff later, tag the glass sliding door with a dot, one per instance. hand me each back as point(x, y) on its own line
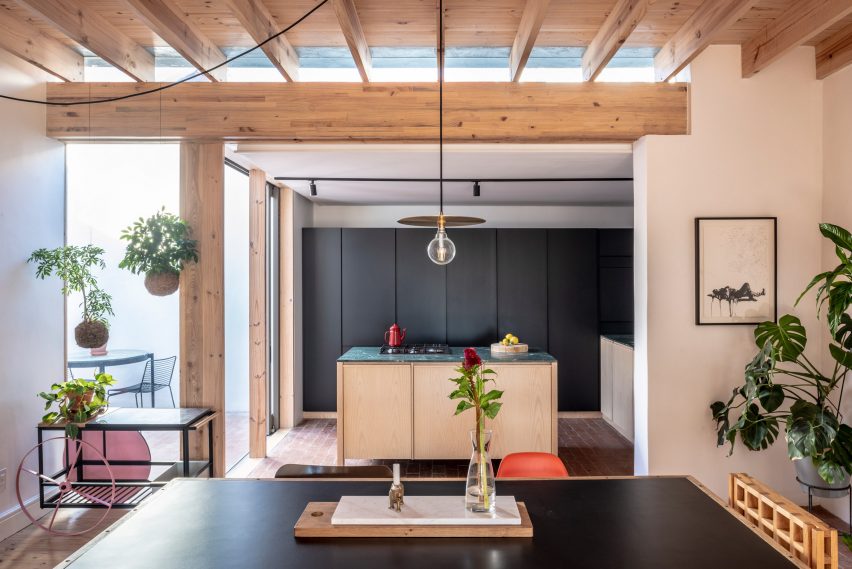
point(273, 247)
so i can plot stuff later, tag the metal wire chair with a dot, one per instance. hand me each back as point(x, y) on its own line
point(163, 371)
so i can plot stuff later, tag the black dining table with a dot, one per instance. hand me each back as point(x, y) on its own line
point(629, 523)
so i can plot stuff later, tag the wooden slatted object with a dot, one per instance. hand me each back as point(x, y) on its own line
point(806, 537)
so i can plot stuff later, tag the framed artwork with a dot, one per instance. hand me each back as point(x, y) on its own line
point(736, 272)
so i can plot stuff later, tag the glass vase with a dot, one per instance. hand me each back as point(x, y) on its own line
point(481, 490)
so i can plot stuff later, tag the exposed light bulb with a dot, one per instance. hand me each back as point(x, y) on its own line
point(441, 249)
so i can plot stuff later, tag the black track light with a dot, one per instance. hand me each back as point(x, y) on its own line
point(476, 189)
point(313, 188)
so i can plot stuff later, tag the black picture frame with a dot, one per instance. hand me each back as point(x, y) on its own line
point(699, 295)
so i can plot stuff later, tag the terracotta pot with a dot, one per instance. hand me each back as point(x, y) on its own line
point(91, 334)
point(76, 402)
point(162, 284)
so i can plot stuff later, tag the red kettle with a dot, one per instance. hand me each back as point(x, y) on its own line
point(395, 336)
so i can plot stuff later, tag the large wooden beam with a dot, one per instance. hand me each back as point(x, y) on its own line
point(380, 113)
point(622, 20)
point(202, 298)
point(260, 25)
point(834, 53)
point(91, 30)
point(350, 25)
point(531, 21)
point(701, 28)
point(258, 343)
point(178, 30)
point(19, 37)
point(801, 22)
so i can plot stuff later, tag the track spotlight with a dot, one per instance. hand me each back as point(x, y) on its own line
point(313, 188)
point(476, 189)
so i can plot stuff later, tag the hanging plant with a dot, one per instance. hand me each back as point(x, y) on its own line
point(73, 264)
point(159, 246)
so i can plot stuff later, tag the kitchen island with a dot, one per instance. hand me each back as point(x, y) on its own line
point(397, 406)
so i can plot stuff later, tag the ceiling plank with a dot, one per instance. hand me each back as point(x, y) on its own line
point(528, 29)
point(622, 20)
point(834, 53)
point(182, 34)
point(91, 30)
point(702, 27)
point(350, 24)
point(255, 17)
point(19, 37)
point(798, 24)
point(524, 113)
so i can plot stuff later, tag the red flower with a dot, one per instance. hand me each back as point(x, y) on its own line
point(471, 359)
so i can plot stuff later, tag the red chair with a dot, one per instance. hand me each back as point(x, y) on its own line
point(532, 465)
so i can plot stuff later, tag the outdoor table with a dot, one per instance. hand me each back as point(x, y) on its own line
point(636, 523)
point(110, 359)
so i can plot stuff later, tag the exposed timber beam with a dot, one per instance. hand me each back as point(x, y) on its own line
point(375, 112)
point(19, 37)
point(178, 30)
point(255, 17)
point(798, 24)
point(622, 20)
point(91, 30)
point(834, 53)
point(350, 24)
point(528, 29)
point(696, 33)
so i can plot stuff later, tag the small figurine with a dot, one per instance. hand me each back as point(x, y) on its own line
point(397, 492)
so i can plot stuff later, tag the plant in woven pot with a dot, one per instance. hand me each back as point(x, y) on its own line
point(159, 246)
point(74, 264)
point(783, 385)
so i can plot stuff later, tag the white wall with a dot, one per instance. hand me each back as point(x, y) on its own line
point(32, 215)
point(495, 216)
point(303, 211)
point(755, 149)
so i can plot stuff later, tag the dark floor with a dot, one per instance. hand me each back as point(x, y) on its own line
point(589, 447)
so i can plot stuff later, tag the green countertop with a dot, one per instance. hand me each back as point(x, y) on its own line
point(370, 354)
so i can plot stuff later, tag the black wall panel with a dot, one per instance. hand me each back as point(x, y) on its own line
point(472, 288)
point(615, 243)
point(421, 289)
point(369, 285)
point(522, 285)
point(321, 283)
point(572, 307)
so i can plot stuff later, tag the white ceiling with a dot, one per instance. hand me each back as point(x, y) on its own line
point(460, 161)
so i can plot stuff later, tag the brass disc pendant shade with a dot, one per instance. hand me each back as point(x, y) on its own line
point(449, 221)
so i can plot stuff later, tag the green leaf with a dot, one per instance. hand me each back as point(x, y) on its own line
point(787, 337)
point(771, 397)
point(757, 431)
point(839, 236)
point(840, 355)
point(492, 409)
point(490, 396)
point(830, 471)
point(463, 406)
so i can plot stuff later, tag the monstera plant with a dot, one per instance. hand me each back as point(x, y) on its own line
point(783, 386)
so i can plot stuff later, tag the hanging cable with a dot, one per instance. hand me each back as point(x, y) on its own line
point(169, 85)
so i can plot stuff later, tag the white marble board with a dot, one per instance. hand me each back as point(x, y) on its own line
point(422, 510)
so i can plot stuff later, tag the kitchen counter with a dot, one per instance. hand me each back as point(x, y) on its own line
point(370, 354)
point(624, 339)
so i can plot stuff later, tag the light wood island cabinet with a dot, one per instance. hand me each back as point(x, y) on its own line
point(401, 409)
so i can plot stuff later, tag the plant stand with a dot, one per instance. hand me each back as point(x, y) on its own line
point(847, 491)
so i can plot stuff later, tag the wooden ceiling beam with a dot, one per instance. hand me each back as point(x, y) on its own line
point(700, 29)
point(834, 53)
point(91, 30)
point(20, 38)
point(258, 22)
point(798, 24)
point(178, 30)
point(622, 20)
point(350, 25)
point(531, 21)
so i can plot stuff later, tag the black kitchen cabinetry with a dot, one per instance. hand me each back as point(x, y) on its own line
point(615, 274)
point(522, 285)
point(421, 289)
point(369, 285)
point(472, 288)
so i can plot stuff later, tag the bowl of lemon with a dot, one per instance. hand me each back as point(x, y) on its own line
point(510, 344)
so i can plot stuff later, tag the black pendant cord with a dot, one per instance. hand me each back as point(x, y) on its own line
point(441, 103)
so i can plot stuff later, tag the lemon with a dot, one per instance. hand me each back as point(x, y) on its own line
point(509, 336)
point(514, 340)
point(504, 341)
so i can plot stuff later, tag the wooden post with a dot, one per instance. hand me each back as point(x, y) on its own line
point(287, 347)
point(258, 344)
point(202, 298)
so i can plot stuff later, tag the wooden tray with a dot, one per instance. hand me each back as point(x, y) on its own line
point(499, 348)
point(315, 522)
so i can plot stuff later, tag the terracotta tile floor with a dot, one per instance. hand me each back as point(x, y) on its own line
point(589, 447)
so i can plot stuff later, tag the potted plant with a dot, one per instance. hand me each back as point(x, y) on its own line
point(818, 441)
point(471, 388)
point(73, 264)
point(77, 400)
point(159, 246)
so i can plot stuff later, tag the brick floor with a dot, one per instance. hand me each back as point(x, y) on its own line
point(589, 447)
